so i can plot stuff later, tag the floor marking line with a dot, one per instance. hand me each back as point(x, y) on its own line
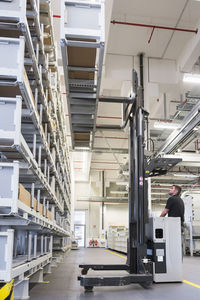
point(191, 283)
point(116, 254)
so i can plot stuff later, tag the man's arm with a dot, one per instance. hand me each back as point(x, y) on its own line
point(164, 212)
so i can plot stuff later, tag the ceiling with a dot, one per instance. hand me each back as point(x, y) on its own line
point(130, 40)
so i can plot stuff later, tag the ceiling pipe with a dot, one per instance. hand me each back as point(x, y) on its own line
point(102, 150)
point(154, 26)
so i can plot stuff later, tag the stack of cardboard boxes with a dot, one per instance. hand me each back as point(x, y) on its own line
point(25, 197)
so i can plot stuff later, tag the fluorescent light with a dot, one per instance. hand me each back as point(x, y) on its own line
point(192, 78)
point(186, 175)
point(123, 182)
point(126, 173)
point(196, 128)
point(120, 198)
point(112, 203)
point(119, 192)
point(162, 187)
point(166, 125)
point(158, 193)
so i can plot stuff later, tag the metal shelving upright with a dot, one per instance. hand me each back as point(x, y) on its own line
point(34, 161)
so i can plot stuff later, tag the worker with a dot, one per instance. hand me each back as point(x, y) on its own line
point(175, 208)
point(175, 205)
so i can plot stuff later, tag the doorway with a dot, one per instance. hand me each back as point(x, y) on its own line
point(80, 227)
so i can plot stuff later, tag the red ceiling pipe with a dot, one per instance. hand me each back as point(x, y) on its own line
point(154, 26)
point(151, 35)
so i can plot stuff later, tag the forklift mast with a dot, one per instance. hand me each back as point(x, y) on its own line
point(138, 265)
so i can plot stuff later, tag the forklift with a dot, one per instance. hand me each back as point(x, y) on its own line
point(140, 250)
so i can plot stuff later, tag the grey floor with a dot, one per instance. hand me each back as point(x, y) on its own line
point(63, 282)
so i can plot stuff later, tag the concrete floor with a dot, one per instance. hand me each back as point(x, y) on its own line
point(63, 284)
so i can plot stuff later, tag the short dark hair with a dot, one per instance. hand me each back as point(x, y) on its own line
point(178, 188)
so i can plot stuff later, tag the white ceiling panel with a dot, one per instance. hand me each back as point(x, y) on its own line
point(129, 40)
point(167, 12)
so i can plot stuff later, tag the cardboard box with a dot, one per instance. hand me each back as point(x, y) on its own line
point(24, 196)
point(50, 215)
point(82, 56)
point(41, 209)
point(45, 212)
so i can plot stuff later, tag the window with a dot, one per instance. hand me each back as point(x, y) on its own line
point(79, 227)
point(79, 217)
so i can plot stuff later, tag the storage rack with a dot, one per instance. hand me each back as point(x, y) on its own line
point(192, 224)
point(117, 238)
point(82, 47)
point(34, 159)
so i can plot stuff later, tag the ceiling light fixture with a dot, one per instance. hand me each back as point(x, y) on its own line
point(186, 175)
point(158, 193)
point(125, 173)
point(119, 192)
point(121, 198)
point(160, 188)
point(191, 78)
point(166, 125)
point(196, 128)
point(121, 183)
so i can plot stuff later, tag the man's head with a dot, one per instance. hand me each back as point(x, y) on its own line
point(175, 190)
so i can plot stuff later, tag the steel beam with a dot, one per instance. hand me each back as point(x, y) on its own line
point(180, 136)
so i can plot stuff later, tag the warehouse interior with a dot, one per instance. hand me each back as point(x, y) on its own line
point(76, 79)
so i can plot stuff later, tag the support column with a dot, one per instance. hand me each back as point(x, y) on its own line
point(54, 262)
point(37, 277)
point(47, 269)
point(21, 290)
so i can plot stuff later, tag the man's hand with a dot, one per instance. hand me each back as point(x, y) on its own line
point(164, 213)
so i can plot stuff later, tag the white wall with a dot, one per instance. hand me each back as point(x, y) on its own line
point(84, 190)
point(94, 221)
point(116, 215)
point(157, 209)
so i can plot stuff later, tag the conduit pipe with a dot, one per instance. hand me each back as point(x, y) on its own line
point(117, 99)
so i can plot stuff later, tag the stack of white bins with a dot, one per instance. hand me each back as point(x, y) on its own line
point(34, 161)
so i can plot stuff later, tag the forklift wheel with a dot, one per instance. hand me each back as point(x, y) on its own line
point(88, 289)
point(146, 285)
point(84, 272)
